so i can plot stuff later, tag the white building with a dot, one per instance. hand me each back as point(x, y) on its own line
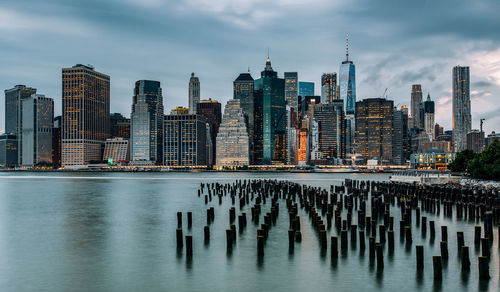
point(116, 150)
point(232, 143)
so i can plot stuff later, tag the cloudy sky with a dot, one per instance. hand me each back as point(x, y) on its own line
point(394, 44)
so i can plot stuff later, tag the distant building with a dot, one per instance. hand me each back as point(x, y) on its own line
point(56, 141)
point(194, 93)
point(443, 146)
point(146, 142)
point(330, 119)
point(232, 146)
point(306, 105)
point(491, 138)
point(303, 142)
point(116, 150)
point(291, 138)
point(428, 110)
point(38, 121)
point(374, 118)
point(438, 130)
point(416, 105)
point(328, 88)
point(211, 110)
point(292, 89)
point(270, 118)
point(306, 88)
point(180, 110)
point(475, 141)
point(433, 160)
point(243, 88)
point(8, 150)
point(85, 114)
point(461, 107)
point(400, 136)
point(185, 140)
point(119, 126)
point(348, 83)
point(13, 113)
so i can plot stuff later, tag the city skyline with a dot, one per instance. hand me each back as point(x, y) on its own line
point(385, 57)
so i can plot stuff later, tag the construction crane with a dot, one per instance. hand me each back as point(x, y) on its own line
point(384, 95)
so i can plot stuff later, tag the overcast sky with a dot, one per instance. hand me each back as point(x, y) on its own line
point(393, 43)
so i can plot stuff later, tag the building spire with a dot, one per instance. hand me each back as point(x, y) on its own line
point(268, 62)
point(347, 47)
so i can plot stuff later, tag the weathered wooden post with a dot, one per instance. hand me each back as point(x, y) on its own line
point(334, 247)
point(484, 273)
point(437, 267)
point(189, 245)
point(420, 257)
point(179, 237)
point(206, 231)
point(465, 258)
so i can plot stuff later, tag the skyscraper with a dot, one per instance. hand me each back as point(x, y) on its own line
point(14, 111)
point(428, 109)
point(185, 140)
point(243, 88)
point(328, 88)
point(38, 121)
point(348, 82)
point(461, 107)
point(270, 121)
point(330, 118)
point(232, 146)
point(416, 105)
point(400, 136)
point(211, 110)
point(8, 150)
point(306, 88)
point(194, 93)
point(374, 132)
point(292, 89)
point(56, 141)
point(85, 114)
point(119, 126)
point(147, 122)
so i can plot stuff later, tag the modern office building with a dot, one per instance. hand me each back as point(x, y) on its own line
point(416, 105)
point(303, 142)
point(292, 89)
point(475, 141)
point(374, 129)
point(85, 114)
point(232, 144)
point(243, 87)
point(328, 88)
point(147, 122)
point(38, 121)
point(461, 121)
point(400, 142)
point(211, 110)
point(348, 83)
point(179, 110)
point(119, 126)
point(185, 140)
point(8, 150)
point(432, 160)
point(270, 118)
point(116, 150)
point(428, 110)
point(13, 113)
point(306, 88)
point(194, 93)
point(330, 118)
point(56, 141)
point(306, 105)
point(445, 146)
point(291, 135)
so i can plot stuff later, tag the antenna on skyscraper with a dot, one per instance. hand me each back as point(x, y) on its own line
point(347, 47)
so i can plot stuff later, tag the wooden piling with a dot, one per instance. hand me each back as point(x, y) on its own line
point(444, 250)
point(206, 231)
point(485, 247)
point(291, 239)
point(380, 256)
point(460, 240)
point(190, 219)
point(465, 258)
point(179, 219)
point(484, 273)
point(420, 257)
point(179, 238)
point(334, 247)
point(189, 245)
point(229, 239)
point(437, 267)
point(260, 245)
point(444, 233)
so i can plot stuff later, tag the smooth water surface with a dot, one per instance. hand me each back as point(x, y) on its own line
point(116, 232)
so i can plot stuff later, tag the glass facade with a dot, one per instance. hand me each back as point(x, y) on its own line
point(194, 93)
point(292, 89)
point(330, 119)
point(232, 141)
point(211, 111)
point(306, 88)
point(243, 90)
point(461, 121)
point(328, 88)
point(348, 86)
point(185, 140)
point(8, 150)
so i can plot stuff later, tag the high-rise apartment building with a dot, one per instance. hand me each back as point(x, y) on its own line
point(428, 110)
point(416, 105)
point(328, 88)
point(13, 113)
point(330, 118)
point(147, 122)
point(38, 121)
point(185, 140)
point(85, 114)
point(475, 141)
point(194, 93)
point(270, 117)
point(211, 110)
point(461, 119)
point(292, 89)
point(374, 132)
point(232, 145)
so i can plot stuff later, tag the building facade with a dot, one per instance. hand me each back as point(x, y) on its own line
point(194, 93)
point(119, 126)
point(328, 88)
point(292, 89)
point(56, 141)
point(416, 105)
point(116, 150)
point(270, 118)
point(243, 87)
point(475, 141)
point(185, 140)
point(331, 124)
point(461, 121)
point(8, 150)
point(147, 122)
point(211, 111)
point(85, 114)
point(306, 88)
point(38, 121)
point(374, 129)
point(232, 144)
point(348, 83)
point(428, 110)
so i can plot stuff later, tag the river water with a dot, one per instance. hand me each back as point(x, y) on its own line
point(116, 232)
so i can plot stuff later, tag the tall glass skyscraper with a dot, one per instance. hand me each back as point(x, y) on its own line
point(328, 88)
point(292, 89)
point(306, 88)
point(194, 93)
point(147, 122)
point(270, 119)
point(461, 118)
point(348, 83)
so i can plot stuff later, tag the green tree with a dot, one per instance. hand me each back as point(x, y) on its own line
point(461, 160)
point(486, 165)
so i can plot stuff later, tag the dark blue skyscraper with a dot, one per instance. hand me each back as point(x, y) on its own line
point(348, 83)
point(306, 88)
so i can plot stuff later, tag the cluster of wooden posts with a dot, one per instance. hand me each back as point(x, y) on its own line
point(370, 201)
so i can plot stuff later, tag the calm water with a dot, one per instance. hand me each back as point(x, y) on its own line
point(116, 232)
